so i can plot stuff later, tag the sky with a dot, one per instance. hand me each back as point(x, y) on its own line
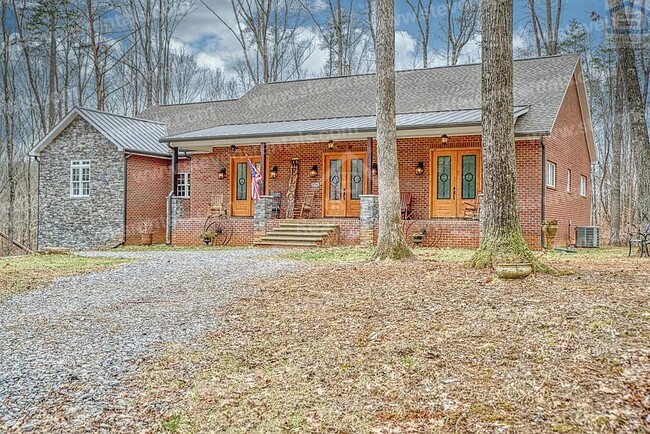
point(202, 34)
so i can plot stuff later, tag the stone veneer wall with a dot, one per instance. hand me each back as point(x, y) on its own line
point(88, 222)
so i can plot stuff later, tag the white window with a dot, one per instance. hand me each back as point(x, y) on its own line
point(583, 185)
point(550, 174)
point(80, 178)
point(183, 185)
point(568, 181)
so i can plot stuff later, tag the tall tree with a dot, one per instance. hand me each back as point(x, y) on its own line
point(422, 11)
point(636, 109)
point(547, 34)
point(617, 145)
point(391, 243)
point(461, 26)
point(7, 123)
point(501, 236)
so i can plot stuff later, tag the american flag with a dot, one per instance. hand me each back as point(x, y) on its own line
point(256, 178)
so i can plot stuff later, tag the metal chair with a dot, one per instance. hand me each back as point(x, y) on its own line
point(277, 203)
point(641, 239)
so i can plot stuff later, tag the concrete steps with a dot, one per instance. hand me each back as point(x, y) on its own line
point(292, 234)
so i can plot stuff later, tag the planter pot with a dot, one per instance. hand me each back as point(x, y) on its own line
point(550, 231)
point(146, 239)
point(513, 271)
point(207, 241)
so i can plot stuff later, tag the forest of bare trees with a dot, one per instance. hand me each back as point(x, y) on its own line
point(123, 57)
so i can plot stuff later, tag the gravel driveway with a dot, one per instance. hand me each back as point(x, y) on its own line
point(66, 351)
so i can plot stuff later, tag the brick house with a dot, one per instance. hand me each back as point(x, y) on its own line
point(319, 134)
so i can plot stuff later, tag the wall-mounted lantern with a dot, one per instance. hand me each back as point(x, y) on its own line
point(330, 145)
point(313, 171)
point(374, 169)
point(445, 139)
point(274, 172)
point(222, 173)
point(233, 149)
point(419, 169)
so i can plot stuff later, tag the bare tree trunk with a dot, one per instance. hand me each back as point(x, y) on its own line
point(501, 237)
point(96, 55)
point(7, 120)
point(638, 126)
point(53, 78)
point(422, 11)
point(391, 243)
point(617, 144)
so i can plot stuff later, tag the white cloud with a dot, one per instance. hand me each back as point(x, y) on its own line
point(405, 50)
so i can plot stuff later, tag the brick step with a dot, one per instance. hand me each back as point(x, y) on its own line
point(270, 243)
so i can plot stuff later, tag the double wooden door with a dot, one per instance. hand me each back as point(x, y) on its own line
point(345, 181)
point(455, 181)
point(241, 200)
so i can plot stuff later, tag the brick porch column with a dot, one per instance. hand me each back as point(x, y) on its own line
point(263, 213)
point(368, 218)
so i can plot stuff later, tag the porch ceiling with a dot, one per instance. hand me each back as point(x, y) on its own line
point(316, 130)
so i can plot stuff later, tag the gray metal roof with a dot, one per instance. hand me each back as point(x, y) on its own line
point(338, 125)
point(539, 84)
point(128, 134)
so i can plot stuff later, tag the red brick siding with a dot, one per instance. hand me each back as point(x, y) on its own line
point(456, 232)
point(148, 184)
point(567, 148)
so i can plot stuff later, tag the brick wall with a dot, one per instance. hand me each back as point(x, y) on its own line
point(148, 184)
point(456, 232)
point(567, 148)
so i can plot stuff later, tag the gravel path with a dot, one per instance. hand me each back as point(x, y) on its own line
point(67, 351)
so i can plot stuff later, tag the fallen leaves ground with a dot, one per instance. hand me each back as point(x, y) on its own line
point(424, 346)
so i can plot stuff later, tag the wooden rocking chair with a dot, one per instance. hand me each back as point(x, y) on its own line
point(217, 206)
point(306, 207)
point(406, 209)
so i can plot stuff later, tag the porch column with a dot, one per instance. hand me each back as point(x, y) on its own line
point(263, 213)
point(170, 198)
point(368, 166)
point(368, 219)
point(263, 165)
point(174, 171)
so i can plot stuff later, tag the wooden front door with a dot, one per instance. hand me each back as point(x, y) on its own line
point(344, 182)
point(241, 201)
point(455, 181)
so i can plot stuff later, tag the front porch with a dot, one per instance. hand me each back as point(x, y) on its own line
point(440, 174)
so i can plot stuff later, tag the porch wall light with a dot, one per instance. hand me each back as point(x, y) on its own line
point(330, 144)
point(419, 169)
point(222, 173)
point(274, 172)
point(445, 139)
point(233, 149)
point(313, 171)
point(374, 169)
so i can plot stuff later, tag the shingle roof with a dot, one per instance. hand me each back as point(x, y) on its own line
point(338, 125)
point(128, 134)
point(539, 84)
point(180, 118)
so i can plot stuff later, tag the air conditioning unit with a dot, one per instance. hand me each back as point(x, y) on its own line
point(587, 236)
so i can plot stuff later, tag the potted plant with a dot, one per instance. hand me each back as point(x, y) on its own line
point(208, 237)
point(418, 237)
point(513, 268)
point(550, 230)
point(146, 230)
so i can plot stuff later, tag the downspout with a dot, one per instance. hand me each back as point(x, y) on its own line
point(542, 240)
point(121, 243)
point(38, 199)
point(172, 193)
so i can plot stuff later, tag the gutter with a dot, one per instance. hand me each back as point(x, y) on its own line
point(542, 240)
point(120, 244)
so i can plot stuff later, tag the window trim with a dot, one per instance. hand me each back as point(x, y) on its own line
point(584, 183)
point(568, 181)
point(550, 164)
point(185, 177)
point(79, 165)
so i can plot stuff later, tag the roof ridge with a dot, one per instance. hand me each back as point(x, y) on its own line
point(118, 115)
point(191, 103)
point(367, 74)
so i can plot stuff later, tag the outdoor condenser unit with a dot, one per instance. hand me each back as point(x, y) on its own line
point(587, 236)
